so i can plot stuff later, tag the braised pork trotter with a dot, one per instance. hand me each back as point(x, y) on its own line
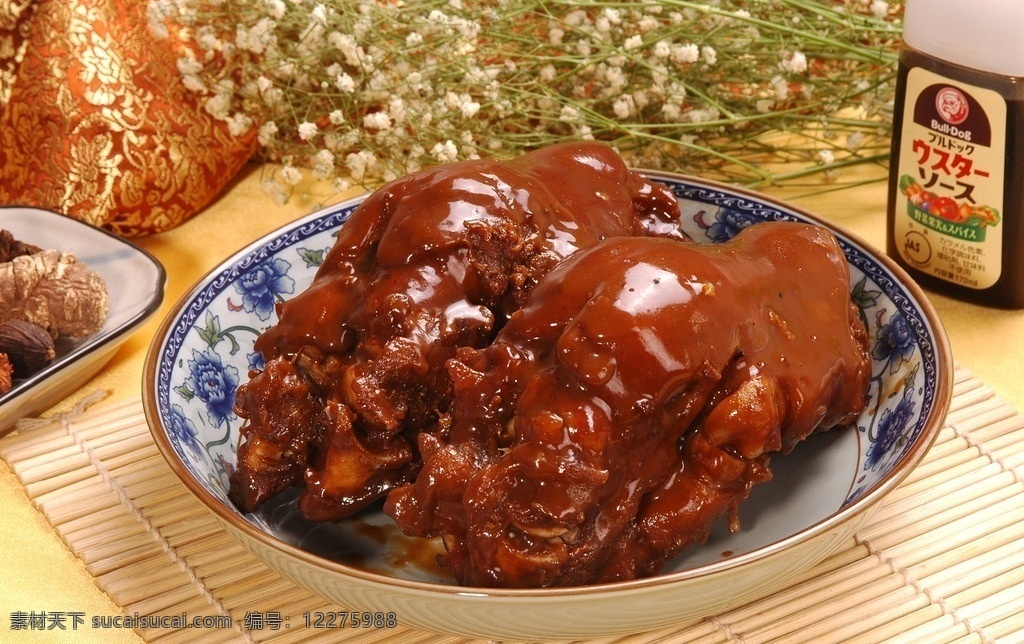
point(633, 402)
point(355, 366)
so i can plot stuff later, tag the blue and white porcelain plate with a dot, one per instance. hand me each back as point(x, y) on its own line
point(206, 350)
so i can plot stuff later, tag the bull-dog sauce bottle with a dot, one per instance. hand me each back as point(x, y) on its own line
point(956, 174)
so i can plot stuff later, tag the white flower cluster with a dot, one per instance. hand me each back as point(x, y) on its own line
point(370, 89)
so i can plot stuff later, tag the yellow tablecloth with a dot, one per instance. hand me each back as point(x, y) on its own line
point(39, 574)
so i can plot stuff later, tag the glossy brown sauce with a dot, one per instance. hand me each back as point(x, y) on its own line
point(432, 262)
point(529, 361)
point(634, 402)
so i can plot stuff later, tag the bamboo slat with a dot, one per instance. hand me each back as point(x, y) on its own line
point(942, 560)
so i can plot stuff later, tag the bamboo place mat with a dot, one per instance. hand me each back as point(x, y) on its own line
point(942, 559)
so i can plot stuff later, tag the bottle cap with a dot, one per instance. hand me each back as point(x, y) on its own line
point(985, 35)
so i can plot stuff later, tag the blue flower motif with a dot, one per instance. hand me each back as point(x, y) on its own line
point(894, 342)
point(262, 284)
point(184, 433)
point(214, 384)
point(891, 428)
point(256, 361)
point(727, 224)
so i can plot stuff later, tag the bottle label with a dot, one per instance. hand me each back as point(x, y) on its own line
point(949, 201)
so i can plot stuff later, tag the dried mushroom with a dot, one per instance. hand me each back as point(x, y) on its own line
point(44, 295)
point(28, 346)
point(11, 247)
point(6, 374)
point(53, 289)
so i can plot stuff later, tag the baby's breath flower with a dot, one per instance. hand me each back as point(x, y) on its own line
point(267, 133)
point(575, 18)
point(193, 83)
point(319, 14)
point(218, 106)
point(347, 47)
point(207, 39)
point(685, 53)
point(781, 87)
point(647, 23)
point(702, 115)
point(374, 89)
point(291, 175)
point(323, 172)
point(307, 130)
point(256, 38)
point(615, 78)
point(345, 83)
point(569, 113)
point(794, 62)
point(276, 191)
point(396, 110)
point(624, 106)
point(359, 163)
point(239, 124)
point(323, 157)
point(444, 152)
point(377, 121)
point(437, 17)
point(275, 8)
point(469, 108)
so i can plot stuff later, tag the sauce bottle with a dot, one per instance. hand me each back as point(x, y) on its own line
point(956, 178)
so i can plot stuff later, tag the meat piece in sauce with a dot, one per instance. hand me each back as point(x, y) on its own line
point(634, 402)
point(355, 366)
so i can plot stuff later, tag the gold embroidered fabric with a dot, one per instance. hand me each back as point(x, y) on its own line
point(95, 123)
